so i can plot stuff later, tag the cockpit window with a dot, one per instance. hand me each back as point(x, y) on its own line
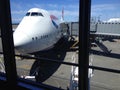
point(28, 14)
point(34, 14)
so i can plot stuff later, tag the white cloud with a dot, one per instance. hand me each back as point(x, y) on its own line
point(70, 10)
point(39, 5)
point(15, 5)
point(16, 20)
point(55, 12)
point(66, 12)
point(57, 6)
point(102, 7)
point(71, 13)
point(70, 6)
point(19, 12)
point(53, 5)
point(44, 6)
point(105, 11)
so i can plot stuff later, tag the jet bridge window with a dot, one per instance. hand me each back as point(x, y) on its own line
point(36, 14)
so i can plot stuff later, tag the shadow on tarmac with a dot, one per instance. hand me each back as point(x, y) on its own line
point(112, 55)
point(43, 69)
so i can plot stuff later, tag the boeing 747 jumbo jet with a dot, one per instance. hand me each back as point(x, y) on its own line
point(37, 31)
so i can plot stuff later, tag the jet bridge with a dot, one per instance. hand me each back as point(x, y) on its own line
point(97, 28)
point(105, 29)
point(98, 31)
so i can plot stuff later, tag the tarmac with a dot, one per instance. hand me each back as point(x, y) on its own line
point(106, 80)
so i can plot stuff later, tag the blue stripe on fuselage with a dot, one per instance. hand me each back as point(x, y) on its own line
point(54, 24)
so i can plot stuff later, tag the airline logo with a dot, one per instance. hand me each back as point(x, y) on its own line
point(54, 18)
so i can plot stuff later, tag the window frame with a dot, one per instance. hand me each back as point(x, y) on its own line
point(9, 54)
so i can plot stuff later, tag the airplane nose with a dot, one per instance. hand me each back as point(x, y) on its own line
point(20, 39)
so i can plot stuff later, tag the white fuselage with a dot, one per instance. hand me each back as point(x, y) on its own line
point(37, 31)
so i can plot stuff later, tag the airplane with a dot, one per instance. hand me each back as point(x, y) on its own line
point(38, 31)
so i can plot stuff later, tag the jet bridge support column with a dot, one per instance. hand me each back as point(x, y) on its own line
point(103, 47)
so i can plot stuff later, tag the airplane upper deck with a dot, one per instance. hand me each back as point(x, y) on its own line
point(37, 12)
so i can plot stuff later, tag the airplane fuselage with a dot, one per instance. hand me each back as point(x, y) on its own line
point(37, 31)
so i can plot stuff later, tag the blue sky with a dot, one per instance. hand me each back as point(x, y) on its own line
point(103, 9)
